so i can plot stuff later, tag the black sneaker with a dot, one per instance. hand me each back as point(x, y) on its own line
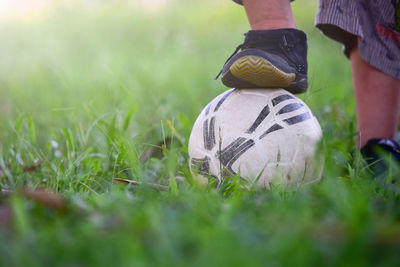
point(269, 59)
point(377, 152)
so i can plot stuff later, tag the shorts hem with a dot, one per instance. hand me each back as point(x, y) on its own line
point(334, 24)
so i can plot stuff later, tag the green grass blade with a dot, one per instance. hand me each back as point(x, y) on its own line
point(128, 118)
point(69, 141)
point(31, 127)
point(18, 124)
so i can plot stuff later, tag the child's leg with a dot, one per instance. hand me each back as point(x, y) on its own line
point(269, 14)
point(377, 98)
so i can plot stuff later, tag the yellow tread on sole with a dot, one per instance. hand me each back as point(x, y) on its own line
point(261, 72)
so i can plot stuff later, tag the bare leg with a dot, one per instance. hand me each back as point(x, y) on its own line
point(269, 14)
point(377, 99)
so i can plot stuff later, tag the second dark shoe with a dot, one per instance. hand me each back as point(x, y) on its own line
point(269, 59)
point(377, 152)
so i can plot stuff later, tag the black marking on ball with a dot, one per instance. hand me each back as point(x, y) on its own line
point(278, 157)
point(280, 99)
point(263, 114)
point(223, 98)
point(209, 133)
point(305, 171)
point(271, 129)
point(208, 109)
point(289, 108)
point(233, 151)
point(299, 118)
point(202, 166)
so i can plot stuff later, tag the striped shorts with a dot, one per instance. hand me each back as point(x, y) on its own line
point(375, 22)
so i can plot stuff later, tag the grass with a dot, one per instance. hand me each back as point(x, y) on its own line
point(98, 91)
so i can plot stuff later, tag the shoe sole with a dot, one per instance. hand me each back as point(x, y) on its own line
point(259, 71)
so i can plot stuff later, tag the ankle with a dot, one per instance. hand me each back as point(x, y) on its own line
point(273, 24)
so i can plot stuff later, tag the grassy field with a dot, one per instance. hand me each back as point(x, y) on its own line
point(93, 91)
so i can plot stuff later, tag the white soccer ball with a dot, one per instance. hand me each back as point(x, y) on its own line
point(268, 134)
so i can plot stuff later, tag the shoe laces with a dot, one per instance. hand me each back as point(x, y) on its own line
point(234, 53)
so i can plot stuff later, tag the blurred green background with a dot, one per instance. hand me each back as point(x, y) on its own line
point(91, 90)
point(160, 56)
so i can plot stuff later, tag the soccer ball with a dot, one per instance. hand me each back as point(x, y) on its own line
point(264, 135)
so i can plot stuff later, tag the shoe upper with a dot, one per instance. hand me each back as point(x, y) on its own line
point(284, 49)
point(288, 44)
point(374, 153)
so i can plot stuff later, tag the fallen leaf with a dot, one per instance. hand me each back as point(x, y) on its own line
point(46, 198)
